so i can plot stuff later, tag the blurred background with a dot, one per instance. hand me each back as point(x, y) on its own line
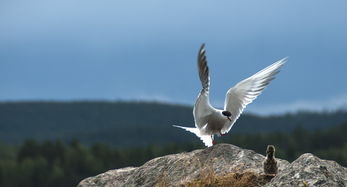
point(88, 86)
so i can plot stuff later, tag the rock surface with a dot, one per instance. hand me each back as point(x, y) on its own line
point(221, 160)
point(309, 170)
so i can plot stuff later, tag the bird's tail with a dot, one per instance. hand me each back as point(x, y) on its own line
point(207, 139)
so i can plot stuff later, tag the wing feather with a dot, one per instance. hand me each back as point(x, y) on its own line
point(203, 69)
point(202, 107)
point(244, 92)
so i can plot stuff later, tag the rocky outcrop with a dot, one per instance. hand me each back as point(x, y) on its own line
point(223, 165)
point(309, 170)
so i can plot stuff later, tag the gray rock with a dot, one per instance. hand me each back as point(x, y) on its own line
point(222, 160)
point(110, 178)
point(184, 167)
point(309, 170)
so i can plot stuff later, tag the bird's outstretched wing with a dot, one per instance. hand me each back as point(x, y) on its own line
point(202, 106)
point(244, 92)
point(203, 69)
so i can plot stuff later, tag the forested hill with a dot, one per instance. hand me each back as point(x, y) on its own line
point(132, 123)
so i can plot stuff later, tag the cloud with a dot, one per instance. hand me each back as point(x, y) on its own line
point(149, 97)
point(330, 104)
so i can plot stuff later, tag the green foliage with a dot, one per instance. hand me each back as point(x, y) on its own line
point(57, 164)
point(60, 143)
point(53, 163)
point(125, 124)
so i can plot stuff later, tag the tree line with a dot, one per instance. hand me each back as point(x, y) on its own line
point(55, 163)
point(124, 124)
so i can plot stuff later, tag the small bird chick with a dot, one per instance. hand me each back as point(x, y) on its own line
point(270, 163)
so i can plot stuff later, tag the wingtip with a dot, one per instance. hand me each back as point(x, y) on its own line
point(284, 60)
point(281, 62)
point(202, 47)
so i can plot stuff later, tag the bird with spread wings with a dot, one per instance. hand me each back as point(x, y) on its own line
point(210, 121)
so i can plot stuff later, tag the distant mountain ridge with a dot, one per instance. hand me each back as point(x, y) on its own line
point(132, 123)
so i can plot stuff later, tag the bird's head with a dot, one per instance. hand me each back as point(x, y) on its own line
point(270, 151)
point(227, 114)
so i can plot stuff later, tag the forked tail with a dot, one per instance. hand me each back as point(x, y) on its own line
point(207, 139)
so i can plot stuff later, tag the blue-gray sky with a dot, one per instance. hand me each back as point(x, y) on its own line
point(146, 50)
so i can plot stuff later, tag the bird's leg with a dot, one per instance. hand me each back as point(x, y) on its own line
point(220, 134)
point(213, 142)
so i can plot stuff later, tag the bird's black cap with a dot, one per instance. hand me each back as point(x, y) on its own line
point(226, 113)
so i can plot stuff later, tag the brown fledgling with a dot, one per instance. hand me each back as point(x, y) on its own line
point(270, 163)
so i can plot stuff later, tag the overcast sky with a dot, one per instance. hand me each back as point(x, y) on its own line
point(147, 50)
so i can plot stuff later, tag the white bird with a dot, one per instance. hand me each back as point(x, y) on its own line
point(210, 121)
